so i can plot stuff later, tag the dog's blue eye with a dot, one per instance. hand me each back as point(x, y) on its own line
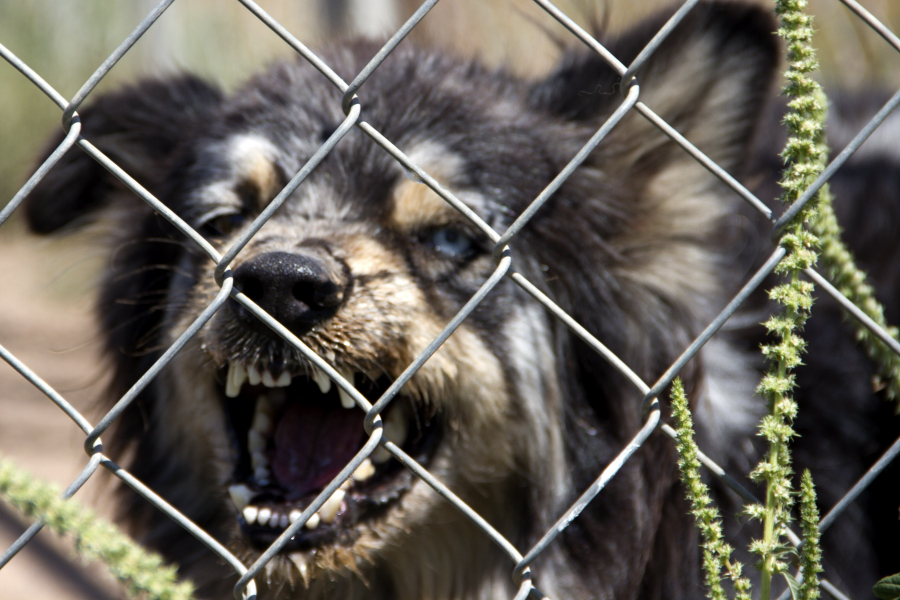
point(451, 241)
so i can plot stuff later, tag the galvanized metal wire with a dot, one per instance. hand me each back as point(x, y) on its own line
point(353, 99)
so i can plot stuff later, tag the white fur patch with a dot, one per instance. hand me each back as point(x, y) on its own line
point(728, 408)
point(533, 361)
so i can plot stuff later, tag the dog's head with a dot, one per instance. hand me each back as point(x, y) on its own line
point(366, 266)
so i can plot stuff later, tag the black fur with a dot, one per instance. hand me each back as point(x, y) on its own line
point(635, 540)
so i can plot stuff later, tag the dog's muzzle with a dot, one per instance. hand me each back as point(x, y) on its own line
point(293, 431)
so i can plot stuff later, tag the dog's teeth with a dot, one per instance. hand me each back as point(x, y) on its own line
point(264, 515)
point(282, 521)
point(395, 429)
point(258, 459)
point(250, 513)
point(261, 423)
point(365, 470)
point(380, 456)
point(283, 380)
point(328, 512)
point(395, 426)
point(267, 379)
point(313, 521)
point(295, 514)
point(321, 380)
point(346, 400)
point(240, 495)
point(256, 442)
point(237, 375)
point(348, 483)
point(253, 375)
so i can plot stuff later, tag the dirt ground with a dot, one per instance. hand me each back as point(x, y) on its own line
point(46, 322)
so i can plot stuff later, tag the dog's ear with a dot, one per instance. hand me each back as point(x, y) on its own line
point(710, 80)
point(648, 213)
point(140, 128)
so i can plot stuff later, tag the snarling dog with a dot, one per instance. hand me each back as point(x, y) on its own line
point(365, 266)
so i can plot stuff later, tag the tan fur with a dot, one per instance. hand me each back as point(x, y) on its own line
point(385, 324)
point(413, 204)
point(416, 204)
point(252, 156)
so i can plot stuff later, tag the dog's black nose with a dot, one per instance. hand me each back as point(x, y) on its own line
point(296, 289)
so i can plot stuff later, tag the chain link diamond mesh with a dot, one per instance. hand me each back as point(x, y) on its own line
point(352, 101)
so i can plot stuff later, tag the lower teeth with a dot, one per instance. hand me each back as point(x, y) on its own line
point(258, 439)
point(254, 515)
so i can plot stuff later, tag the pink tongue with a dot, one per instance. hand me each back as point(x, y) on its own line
point(312, 445)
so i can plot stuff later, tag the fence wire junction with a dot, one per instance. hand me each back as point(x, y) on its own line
point(353, 97)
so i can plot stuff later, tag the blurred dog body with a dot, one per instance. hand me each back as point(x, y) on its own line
point(366, 266)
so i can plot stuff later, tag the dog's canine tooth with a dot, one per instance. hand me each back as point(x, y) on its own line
point(395, 429)
point(237, 375)
point(328, 512)
point(347, 484)
point(264, 515)
point(283, 380)
point(261, 474)
point(346, 400)
point(262, 417)
point(262, 422)
point(250, 513)
point(313, 521)
point(240, 495)
point(267, 379)
point(294, 515)
point(253, 376)
point(321, 380)
point(365, 470)
point(380, 456)
point(256, 441)
point(395, 426)
point(258, 459)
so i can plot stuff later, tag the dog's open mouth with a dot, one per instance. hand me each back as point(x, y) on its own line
point(293, 431)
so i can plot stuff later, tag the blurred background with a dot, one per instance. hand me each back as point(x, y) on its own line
point(46, 285)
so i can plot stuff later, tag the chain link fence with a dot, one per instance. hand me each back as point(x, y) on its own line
point(354, 97)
